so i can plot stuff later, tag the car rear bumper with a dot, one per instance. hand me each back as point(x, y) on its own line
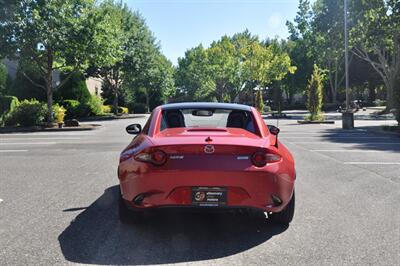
point(245, 189)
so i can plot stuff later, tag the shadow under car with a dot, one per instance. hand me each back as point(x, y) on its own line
point(96, 235)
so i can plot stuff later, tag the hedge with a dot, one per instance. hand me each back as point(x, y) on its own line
point(27, 113)
point(7, 106)
point(74, 89)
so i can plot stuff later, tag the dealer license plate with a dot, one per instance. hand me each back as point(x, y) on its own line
point(209, 196)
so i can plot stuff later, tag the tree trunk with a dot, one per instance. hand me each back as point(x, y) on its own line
point(49, 87)
point(147, 102)
point(49, 94)
point(115, 101)
point(334, 91)
point(390, 99)
point(220, 91)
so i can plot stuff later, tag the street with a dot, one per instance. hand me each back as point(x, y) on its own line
point(58, 204)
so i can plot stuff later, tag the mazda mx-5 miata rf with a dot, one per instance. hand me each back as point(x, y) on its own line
point(206, 155)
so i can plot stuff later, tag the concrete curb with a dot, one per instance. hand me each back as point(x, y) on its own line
point(315, 122)
point(111, 117)
point(86, 127)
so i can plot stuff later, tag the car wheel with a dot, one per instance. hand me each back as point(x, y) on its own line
point(127, 215)
point(285, 216)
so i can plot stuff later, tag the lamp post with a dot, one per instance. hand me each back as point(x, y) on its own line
point(347, 115)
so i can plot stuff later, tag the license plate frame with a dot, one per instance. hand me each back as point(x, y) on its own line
point(209, 196)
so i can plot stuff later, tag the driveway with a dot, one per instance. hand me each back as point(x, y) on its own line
point(58, 205)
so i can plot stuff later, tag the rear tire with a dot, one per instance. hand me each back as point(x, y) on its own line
point(285, 216)
point(128, 216)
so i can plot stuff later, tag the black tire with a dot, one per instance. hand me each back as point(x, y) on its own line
point(128, 216)
point(285, 216)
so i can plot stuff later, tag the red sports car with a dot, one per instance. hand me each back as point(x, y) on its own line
point(206, 155)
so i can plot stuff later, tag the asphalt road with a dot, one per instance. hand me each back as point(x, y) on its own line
point(58, 205)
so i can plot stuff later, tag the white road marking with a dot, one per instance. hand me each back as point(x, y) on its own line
point(1, 200)
point(324, 142)
point(27, 143)
point(383, 163)
point(41, 134)
point(13, 150)
point(361, 132)
point(345, 151)
point(338, 137)
point(321, 133)
point(50, 138)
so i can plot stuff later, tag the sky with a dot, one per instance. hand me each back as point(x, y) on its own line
point(180, 25)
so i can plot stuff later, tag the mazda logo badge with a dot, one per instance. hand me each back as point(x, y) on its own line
point(209, 149)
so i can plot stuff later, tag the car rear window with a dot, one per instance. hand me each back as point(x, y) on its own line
point(206, 118)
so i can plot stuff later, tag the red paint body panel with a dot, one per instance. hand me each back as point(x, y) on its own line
point(187, 166)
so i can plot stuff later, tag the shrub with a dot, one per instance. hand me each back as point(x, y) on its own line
point(139, 108)
point(75, 109)
point(74, 89)
point(28, 113)
point(314, 93)
point(318, 117)
point(259, 101)
point(123, 110)
point(267, 109)
point(95, 105)
point(7, 106)
point(72, 107)
point(106, 109)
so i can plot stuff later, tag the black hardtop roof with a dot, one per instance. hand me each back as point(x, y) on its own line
point(206, 105)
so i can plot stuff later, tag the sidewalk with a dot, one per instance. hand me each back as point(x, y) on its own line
point(369, 114)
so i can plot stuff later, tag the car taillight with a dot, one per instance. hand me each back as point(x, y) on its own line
point(157, 157)
point(260, 158)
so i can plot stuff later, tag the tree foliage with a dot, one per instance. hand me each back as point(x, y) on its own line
point(375, 38)
point(230, 66)
point(193, 76)
point(134, 61)
point(315, 93)
point(53, 35)
point(3, 79)
point(74, 89)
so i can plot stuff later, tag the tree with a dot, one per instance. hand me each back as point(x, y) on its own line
point(300, 49)
point(224, 66)
point(268, 63)
point(74, 89)
point(120, 24)
point(22, 88)
point(3, 78)
point(134, 60)
point(259, 101)
point(156, 80)
point(229, 66)
point(193, 76)
point(328, 33)
point(53, 35)
point(314, 93)
point(376, 39)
